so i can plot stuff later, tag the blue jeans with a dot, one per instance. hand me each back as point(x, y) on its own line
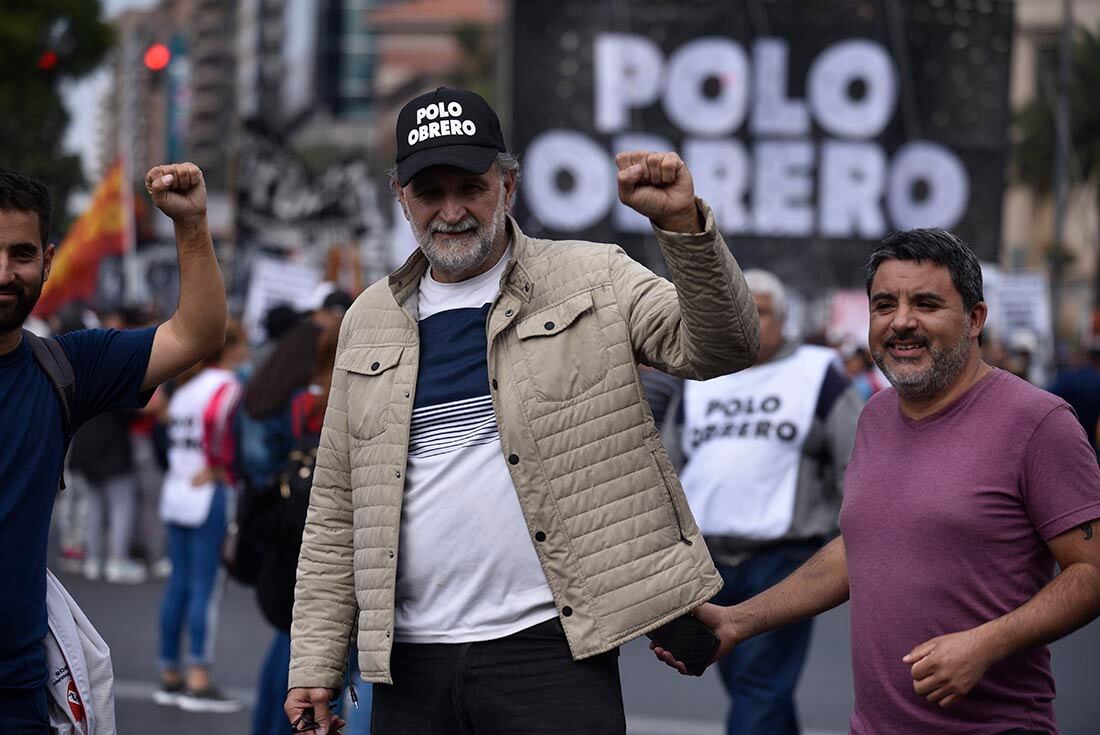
point(190, 596)
point(761, 674)
point(359, 719)
point(269, 717)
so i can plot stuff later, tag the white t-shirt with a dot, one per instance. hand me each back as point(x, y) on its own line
point(181, 502)
point(466, 566)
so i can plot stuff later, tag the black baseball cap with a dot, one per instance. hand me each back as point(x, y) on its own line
point(452, 127)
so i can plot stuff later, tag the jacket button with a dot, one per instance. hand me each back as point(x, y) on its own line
point(540, 536)
point(567, 611)
point(509, 313)
point(375, 365)
point(397, 474)
point(549, 325)
point(391, 554)
point(406, 394)
point(494, 383)
point(513, 459)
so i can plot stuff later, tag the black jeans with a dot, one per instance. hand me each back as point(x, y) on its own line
point(525, 683)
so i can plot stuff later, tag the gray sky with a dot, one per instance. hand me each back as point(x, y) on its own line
point(83, 100)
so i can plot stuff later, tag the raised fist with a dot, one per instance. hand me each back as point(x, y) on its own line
point(178, 190)
point(659, 186)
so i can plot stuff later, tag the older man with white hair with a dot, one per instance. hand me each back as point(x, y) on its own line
point(765, 452)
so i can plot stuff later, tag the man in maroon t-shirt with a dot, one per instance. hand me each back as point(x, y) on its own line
point(966, 484)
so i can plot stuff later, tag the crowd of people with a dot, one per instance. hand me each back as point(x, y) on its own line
point(223, 449)
point(475, 481)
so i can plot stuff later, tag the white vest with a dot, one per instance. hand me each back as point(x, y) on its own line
point(743, 438)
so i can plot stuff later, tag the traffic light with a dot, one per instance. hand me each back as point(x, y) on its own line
point(48, 60)
point(157, 57)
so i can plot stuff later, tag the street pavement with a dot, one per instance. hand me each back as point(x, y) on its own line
point(658, 700)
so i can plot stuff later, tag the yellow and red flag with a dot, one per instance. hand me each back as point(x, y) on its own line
point(99, 232)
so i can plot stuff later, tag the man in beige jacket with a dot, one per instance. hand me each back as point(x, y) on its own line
point(493, 513)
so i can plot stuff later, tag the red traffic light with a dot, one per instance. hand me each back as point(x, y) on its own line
point(48, 60)
point(157, 57)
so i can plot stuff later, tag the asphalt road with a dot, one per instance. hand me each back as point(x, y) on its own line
point(658, 700)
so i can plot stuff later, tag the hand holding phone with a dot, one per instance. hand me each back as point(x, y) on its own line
point(689, 640)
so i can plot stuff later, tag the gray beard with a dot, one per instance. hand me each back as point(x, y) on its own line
point(475, 249)
point(932, 382)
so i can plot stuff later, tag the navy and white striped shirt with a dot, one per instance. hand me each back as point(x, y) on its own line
point(467, 570)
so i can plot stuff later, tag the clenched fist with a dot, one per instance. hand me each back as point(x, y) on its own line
point(178, 190)
point(659, 186)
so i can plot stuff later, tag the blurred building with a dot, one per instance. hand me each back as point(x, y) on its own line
point(1029, 218)
point(179, 111)
point(423, 44)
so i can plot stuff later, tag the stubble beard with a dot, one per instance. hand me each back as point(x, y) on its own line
point(945, 366)
point(475, 247)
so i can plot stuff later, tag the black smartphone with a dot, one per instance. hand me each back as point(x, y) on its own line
point(691, 642)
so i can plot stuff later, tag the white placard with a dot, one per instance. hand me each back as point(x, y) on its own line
point(273, 282)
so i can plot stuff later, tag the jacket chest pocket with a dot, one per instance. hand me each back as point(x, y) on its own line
point(371, 374)
point(564, 348)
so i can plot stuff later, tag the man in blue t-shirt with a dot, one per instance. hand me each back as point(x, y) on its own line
point(114, 369)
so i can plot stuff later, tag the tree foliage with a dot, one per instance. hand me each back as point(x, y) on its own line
point(1033, 149)
point(44, 43)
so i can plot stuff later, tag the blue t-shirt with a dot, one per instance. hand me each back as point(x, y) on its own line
point(109, 366)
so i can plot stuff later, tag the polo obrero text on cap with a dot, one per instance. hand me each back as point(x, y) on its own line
point(449, 124)
point(447, 127)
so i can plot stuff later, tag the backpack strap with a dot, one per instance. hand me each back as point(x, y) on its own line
point(53, 360)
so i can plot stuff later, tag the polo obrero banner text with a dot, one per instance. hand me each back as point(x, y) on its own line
point(812, 129)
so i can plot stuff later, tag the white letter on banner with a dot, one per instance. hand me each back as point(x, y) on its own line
point(720, 169)
point(625, 218)
point(773, 112)
point(944, 175)
point(593, 173)
point(695, 62)
point(831, 75)
point(851, 183)
point(783, 189)
point(628, 74)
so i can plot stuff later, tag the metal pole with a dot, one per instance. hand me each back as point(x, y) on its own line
point(127, 130)
point(1061, 159)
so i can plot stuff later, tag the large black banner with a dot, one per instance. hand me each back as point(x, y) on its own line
point(281, 205)
point(812, 128)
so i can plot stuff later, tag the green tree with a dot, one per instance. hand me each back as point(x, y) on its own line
point(44, 43)
point(1034, 145)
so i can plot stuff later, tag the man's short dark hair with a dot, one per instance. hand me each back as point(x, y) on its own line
point(24, 194)
point(935, 246)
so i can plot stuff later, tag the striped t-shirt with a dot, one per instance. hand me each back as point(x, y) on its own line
point(466, 568)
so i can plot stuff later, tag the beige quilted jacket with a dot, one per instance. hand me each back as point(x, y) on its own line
point(604, 509)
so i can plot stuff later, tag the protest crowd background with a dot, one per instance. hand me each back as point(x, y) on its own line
point(812, 129)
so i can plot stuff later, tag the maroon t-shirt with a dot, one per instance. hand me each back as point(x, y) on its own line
point(945, 522)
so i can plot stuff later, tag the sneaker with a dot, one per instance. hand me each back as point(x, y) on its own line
point(92, 569)
point(162, 568)
point(72, 559)
point(124, 571)
point(208, 700)
point(168, 695)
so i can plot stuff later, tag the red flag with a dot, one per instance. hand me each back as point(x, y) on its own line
point(97, 233)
